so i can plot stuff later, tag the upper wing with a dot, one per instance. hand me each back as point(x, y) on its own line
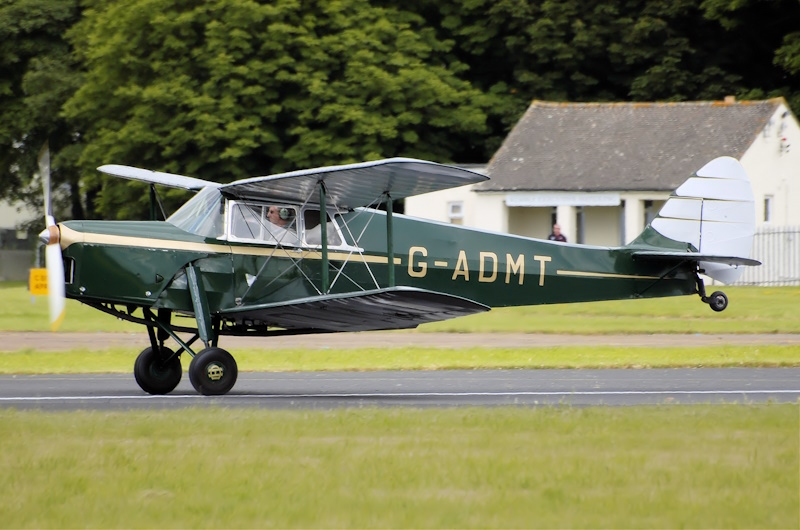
point(156, 177)
point(347, 186)
point(391, 308)
point(355, 185)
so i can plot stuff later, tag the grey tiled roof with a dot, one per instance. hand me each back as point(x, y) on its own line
point(621, 146)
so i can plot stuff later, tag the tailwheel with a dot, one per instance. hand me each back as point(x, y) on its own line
point(158, 371)
point(213, 372)
point(718, 301)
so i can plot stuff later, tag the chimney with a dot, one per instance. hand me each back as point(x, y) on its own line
point(730, 99)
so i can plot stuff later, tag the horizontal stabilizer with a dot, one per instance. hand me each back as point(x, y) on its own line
point(391, 308)
point(694, 256)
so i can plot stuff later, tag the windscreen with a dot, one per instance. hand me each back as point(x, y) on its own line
point(203, 214)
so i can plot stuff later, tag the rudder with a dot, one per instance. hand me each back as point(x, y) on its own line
point(714, 213)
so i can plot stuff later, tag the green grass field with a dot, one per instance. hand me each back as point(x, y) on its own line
point(700, 466)
point(120, 360)
point(751, 310)
point(638, 467)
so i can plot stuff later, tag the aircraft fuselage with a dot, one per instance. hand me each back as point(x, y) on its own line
point(142, 264)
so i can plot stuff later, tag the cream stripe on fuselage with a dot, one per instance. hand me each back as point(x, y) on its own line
point(69, 236)
point(584, 274)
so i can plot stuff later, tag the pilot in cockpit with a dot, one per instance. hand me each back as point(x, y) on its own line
point(280, 216)
point(284, 229)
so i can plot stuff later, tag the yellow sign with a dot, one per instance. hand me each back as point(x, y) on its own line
point(37, 282)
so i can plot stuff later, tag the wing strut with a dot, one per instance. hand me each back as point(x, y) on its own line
point(390, 238)
point(323, 224)
point(201, 309)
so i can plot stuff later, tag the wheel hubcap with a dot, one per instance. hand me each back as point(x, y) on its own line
point(215, 371)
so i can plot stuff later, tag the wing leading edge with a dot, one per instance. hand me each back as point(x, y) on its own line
point(156, 177)
point(356, 185)
point(379, 309)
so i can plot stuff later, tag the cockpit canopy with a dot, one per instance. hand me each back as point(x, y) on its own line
point(211, 214)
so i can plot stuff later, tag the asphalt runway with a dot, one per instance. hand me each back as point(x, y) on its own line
point(444, 388)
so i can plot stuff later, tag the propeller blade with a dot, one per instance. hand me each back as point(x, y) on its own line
point(51, 238)
point(55, 285)
point(44, 173)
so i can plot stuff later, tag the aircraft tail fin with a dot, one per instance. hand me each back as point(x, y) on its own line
point(710, 219)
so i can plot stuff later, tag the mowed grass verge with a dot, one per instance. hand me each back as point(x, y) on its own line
point(121, 360)
point(633, 467)
point(751, 310)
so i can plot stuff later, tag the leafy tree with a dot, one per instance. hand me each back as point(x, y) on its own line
point(761, 46)
point(223, 89)
point(37, 75)
point(595, 50)
point(231, 88)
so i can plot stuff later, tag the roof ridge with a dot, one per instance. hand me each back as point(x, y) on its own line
point(648, 104)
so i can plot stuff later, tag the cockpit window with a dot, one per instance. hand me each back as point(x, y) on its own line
point(314, 229)
point(271, 223)
point(203, 214)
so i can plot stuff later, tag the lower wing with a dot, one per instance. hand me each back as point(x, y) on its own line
point(390, 308)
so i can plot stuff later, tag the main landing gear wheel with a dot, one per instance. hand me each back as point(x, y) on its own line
point(718, 301)
point(158, 371)
point(213, 372)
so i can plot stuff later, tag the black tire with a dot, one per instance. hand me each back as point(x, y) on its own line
point(718, 301)
point(158, 371)
point(213, 372)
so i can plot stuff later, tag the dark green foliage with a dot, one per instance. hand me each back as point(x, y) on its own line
point(37, 75)
point(641, 50)
point(230, 89)
point(223, 89)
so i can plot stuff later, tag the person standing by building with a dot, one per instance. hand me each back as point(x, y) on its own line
point(557, 235)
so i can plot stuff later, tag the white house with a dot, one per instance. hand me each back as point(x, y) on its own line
point(603, 170)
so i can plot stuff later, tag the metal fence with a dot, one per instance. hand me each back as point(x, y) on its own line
point(778, 250)
point(14, 265)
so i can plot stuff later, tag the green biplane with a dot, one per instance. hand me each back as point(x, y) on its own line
point(310, 252)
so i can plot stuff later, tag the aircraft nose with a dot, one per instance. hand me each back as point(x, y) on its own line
point(50, 235)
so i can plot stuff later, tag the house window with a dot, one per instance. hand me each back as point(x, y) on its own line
point(768, 208)
point(455, 212)
point(580, 235)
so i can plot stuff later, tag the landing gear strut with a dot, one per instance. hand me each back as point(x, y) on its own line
point(718, 301)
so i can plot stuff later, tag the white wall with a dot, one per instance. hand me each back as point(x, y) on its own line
point(601, 225)
point(773, 165)
point(11, 215)
point(490, 212)
point(530, 222)
point(487, 211)
point(434, 205)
